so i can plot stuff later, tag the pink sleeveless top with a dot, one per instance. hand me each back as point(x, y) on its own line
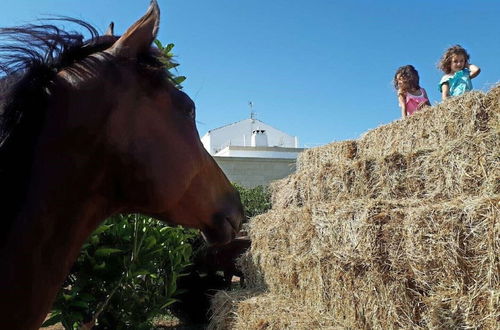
point(413, 102)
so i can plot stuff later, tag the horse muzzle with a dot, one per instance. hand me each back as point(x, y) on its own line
point(224, 226)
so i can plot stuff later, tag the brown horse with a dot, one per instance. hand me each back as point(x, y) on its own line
point(88, 130)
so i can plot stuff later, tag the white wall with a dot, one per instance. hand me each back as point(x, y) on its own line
point(250, 172)
point(260, 152)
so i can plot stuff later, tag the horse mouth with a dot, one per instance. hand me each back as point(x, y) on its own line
point(223, 229)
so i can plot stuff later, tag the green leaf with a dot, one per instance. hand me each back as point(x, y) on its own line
point(170, 302)
point(171, 287)
point(188, 251)
point(150, 242)
point(104, 252)
point(56, 317)
point(94, 239)
point(169, 65)
point(158, 44)
point(157, 251)
point(101, 229)
point(141, 272)
point(169, 48)
point(166, 228)
point(102, 265)
point(184, 274)
point(81, 304)
point(178, 80)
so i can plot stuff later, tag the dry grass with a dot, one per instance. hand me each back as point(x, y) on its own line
point(243, 310)
point(373, 262)
point(399, 229)
point(467, 166)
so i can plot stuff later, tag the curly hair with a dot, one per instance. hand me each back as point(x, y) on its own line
point(445, 61)
point(410, 74)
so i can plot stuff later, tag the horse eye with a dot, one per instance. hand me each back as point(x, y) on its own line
point(191, 112)
point(184, 103)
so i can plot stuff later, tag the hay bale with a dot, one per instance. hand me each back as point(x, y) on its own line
point(399, 229)
point(224, 307)
point(463, 167)
point(375, 262)
point(328, 154)
point(287, 191)
point(434, 127)
point(241, 310)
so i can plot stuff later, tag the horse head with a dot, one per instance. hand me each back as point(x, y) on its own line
point(142, 143)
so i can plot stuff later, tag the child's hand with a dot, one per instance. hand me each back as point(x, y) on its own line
point(474, 70)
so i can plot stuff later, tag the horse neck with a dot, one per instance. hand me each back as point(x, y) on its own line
point(45, 241)
point(62, 207)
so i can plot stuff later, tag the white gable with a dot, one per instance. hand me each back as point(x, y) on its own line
point(240, 134)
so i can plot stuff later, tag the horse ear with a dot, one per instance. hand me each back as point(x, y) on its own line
point(139, 37)
point(111, 29)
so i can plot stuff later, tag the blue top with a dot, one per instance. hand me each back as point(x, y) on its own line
point(459, 82)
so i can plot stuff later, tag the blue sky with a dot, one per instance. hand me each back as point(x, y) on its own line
point(318, 69)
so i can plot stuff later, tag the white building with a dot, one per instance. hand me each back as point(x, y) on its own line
point(251, 152)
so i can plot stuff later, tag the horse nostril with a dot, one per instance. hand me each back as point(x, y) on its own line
point(235, 222)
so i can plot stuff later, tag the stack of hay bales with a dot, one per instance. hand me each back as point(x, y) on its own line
point(398, 229)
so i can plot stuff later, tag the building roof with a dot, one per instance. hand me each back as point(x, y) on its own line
point(245, 133)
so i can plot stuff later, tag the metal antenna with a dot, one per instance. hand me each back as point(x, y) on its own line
point(252, 114)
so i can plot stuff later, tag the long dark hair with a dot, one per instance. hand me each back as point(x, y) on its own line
point(410, 74)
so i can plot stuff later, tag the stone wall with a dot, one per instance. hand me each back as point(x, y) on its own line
point(251, 172)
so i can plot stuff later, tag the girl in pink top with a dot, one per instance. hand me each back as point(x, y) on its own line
point(410, 95)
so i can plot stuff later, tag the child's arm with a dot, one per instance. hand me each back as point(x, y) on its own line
point(445, 89)
point(474, 70)
point(402, 105)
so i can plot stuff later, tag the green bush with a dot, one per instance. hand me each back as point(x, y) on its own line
point(126, 274)
point(255, 200)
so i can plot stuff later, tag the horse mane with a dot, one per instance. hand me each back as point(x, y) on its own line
point(30, 58)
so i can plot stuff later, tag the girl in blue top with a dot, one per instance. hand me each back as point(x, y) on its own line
point(458, 72)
